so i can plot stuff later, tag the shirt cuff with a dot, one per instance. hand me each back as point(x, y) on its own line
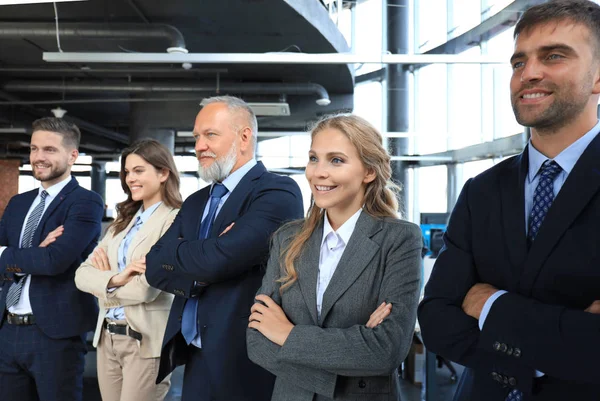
point(2, 248)
point(488, 305)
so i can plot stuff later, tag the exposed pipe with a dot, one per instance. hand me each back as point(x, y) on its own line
point(150, 87)
point(17, 30)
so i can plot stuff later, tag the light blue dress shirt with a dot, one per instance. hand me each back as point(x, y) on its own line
point(566, 160)
point(230, 183)
point(140, 218)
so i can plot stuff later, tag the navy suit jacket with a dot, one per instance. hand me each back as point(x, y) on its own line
point(540, 324)
point(60, 309)
point(230, 268)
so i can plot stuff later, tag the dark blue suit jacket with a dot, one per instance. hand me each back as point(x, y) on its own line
point(231, 269)
point(60, 309)
point(540, 324)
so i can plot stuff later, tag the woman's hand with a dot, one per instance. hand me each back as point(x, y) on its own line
point(100, 260)
point(52, 236)
point(268, 318)
point(133, 269)
point(379, 315)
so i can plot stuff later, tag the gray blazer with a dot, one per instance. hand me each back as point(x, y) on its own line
point(338, 357)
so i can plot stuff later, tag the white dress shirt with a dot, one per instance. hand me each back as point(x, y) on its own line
point(332, 248)
point(23, 307)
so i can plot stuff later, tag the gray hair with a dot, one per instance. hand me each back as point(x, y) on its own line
point(236, 105)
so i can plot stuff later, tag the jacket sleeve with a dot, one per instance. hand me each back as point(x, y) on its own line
point(214, 260)
point(82, 225)
point(264, 353)
point(446, 329)
point(91, 280)
point(359, 350)
point(138, 290)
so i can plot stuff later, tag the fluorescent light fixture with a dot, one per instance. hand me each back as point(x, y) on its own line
point(185, 134)
point(13, 2)
point(270, 109)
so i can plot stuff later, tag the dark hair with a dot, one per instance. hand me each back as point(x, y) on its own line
point(156, 154)
point(69, 131)
point(583, 12)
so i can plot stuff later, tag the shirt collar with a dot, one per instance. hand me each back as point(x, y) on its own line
point(345, 231)
point(145, 214)
point(565, 159)
point(234, 178)
point(56, 188)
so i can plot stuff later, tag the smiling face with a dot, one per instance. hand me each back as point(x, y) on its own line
point(555, 76)
point(50, 159)
point(143, 180)
point(336, 175)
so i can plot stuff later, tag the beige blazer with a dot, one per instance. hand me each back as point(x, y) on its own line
point(146, 308)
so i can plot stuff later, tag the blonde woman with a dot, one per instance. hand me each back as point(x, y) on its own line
point(133, 315)
point(335, 315)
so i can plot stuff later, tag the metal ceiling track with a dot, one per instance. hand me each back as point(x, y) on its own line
point(268, 58)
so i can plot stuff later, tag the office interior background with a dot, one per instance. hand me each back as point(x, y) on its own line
point(432, 75)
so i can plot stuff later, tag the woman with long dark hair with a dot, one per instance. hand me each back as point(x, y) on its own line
point(335, 315)
point(133, 315)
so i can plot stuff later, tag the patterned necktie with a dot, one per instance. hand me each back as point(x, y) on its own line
point(14, 291)
point(189, 320)
point(542, 200)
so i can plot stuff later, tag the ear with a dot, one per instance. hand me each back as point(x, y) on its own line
point(74, 154)
point(163, 174)
point(246, 140)
point(596, 87)
point(369, 176)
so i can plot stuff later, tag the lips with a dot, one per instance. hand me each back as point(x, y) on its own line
point(325, 188)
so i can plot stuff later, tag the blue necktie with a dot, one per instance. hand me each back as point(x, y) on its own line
point(189, 320)
point(542, 200)
point(14, 291)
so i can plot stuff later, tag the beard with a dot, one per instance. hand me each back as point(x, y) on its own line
point(568, 104)
point(52, 173)
point(220, 168)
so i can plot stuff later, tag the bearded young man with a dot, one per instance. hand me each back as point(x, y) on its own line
point(45, 234)
point(213, 256)
point(514, 293)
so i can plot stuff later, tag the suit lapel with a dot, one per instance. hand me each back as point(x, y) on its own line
point(581, 185)
point(149, 226)
point(21, 214)
point(202, 199)
point(356, 257)
point(512, 187)
point(52, 207)
point(307, 267)
point(230, 208)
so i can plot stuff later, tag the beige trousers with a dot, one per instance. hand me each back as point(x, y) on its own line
point(125, 376)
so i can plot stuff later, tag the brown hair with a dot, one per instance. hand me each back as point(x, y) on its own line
point(583, 12)
point(380, 194)
point(156, 154)
point(69, 131)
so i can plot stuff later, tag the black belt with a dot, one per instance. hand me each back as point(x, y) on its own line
point(19, 320)
point(122, 329)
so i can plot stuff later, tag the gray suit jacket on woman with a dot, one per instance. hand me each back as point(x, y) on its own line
point(337, 356)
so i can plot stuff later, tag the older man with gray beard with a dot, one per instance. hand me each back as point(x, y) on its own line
point(212, 257)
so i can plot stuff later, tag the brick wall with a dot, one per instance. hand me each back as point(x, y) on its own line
point(9, 181)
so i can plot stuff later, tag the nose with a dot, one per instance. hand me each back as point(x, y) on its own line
point(321, 170)
point(201, 145)
point(532, 71)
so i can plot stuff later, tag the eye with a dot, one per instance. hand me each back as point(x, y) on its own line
point(518, 64)
point(337, 160)
point(210, 134)
point(312, 159)
point(554, 56)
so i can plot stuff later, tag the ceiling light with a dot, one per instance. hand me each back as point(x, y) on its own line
point(58, 112)
point(13, 2)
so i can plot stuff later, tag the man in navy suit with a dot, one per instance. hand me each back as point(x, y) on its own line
point(213, 256)
point(514, 293)
point(45, 234)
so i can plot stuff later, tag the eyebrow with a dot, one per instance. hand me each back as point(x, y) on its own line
point(545, 49)
point(330, 154)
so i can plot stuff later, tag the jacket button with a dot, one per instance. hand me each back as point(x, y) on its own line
point(517, 352)
point(512, 381)
point(509, 351)
point(495, 376)
point(503, 347)
point(496, 346)
point(362, 384)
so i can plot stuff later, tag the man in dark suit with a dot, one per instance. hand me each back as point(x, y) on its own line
point(513, 295)
point(213, 256)
point(45, 234)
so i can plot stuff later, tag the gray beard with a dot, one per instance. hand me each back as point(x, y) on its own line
point(220, 168)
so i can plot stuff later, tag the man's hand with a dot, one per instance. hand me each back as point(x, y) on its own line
point(270, 320)
point(100, 260)
point(229, 227)
point(476, 298)
point(133, 269)
point(594, 308)
point(52, 236)
point(380, 313)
